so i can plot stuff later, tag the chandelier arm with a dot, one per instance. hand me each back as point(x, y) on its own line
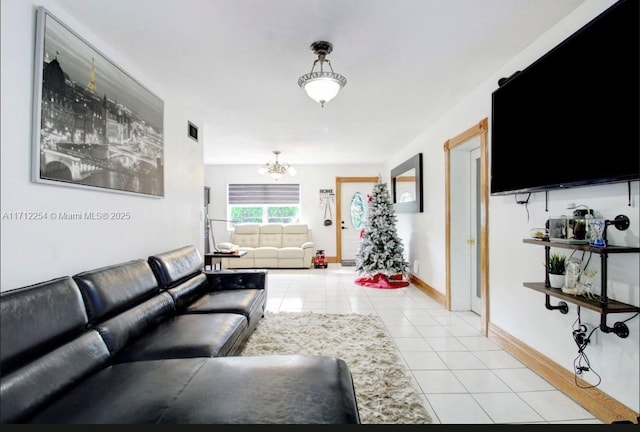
point(314, 65)
point(329, 63)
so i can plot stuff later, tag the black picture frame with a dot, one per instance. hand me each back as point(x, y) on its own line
point(94, 126)
point(406, 186)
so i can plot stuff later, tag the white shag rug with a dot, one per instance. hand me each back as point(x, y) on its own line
point(384, 390)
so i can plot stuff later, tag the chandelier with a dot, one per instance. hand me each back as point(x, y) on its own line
point(276, 169)
point(322, 86)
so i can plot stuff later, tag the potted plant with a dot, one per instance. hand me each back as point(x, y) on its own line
point(556, 267)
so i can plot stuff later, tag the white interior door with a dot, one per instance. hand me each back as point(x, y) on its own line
point(350, 219)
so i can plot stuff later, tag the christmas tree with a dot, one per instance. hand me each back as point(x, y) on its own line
point(381, 251)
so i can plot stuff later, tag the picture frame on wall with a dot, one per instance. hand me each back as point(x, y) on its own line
point(94, 125)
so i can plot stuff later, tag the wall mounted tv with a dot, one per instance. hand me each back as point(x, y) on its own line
point(572, 117)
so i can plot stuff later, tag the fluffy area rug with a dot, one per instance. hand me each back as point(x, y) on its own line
point(384, 389)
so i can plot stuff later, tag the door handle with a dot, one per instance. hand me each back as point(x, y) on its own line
point(471, 241)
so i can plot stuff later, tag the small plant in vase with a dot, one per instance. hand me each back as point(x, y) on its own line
point(556, 267)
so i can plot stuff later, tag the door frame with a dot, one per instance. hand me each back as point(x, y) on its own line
point(479, 130)
point(339, 181)
point(475, 300)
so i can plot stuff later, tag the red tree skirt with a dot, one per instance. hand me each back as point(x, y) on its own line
point(382, 281)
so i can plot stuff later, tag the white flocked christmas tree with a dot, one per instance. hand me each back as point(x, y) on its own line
point(381, 251)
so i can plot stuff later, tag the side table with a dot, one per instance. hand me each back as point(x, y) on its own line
point(212, 259)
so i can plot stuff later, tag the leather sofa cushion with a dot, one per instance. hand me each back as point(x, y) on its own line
point(172, 267)
point(126, 327)
point(112, 289)
point(34, 385)
point(274, 389)
point(244, 302)
point(188, 291)
point(248, 302)
point(189, 335)
point(37, 318)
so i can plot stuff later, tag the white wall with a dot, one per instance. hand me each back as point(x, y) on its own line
point(514, 308)
point(38, 250)
point(311, 178)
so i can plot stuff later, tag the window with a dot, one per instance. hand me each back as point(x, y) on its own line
point(263, 203)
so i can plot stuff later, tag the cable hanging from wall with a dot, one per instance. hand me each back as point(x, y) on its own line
point(524, 202)
point(581, 363)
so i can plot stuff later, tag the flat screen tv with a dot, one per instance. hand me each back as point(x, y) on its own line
point(572, 118)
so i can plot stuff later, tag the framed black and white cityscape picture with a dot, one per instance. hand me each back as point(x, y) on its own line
point(95, 126)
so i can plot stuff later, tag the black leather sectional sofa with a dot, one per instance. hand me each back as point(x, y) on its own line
point(155, 341)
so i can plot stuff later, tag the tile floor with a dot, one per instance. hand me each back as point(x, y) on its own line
point(463, 377)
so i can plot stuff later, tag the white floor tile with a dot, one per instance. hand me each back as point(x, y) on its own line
point(419, 360)
point(521, 380)
point(463, 377)
point(478, 343)
point(445, 344)
point(555, 406)
point(481, 381)
point(412, 344)
point(507, 408)
point(403, 331)
point(431, 331)
point(438, 381)
point(461, 360)
point(458, 409)
point(498, 359)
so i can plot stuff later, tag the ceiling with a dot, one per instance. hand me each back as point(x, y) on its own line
point(236, 64)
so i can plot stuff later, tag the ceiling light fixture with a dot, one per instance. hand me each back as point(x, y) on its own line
point(276, 169)
point(322, 86)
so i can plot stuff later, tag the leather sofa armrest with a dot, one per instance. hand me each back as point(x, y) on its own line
point(308, 245)
point(237, 279)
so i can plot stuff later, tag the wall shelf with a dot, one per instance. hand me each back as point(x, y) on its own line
point(602, 304)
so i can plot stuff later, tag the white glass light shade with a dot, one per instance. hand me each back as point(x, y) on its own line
point(322, 86)
point(276, 175)
point(292, 171)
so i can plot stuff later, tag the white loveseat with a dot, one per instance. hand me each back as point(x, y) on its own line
point(271, 246)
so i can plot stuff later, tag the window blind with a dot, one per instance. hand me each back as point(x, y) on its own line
point(264, 193)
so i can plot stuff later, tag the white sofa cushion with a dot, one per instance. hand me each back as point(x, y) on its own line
point(294, 235)
point(246, 235)
point(271, 235)
point(291, 252)
point(266, 252)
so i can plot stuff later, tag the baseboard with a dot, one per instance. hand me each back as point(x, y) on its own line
point(427, 289)
point(598, 403)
